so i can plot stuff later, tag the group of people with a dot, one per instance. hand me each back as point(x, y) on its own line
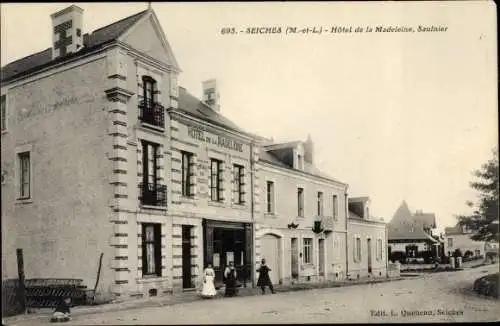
point(230, 278)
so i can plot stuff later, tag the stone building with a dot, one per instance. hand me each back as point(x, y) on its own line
point(458, 237)
point(367, 242)
point(301, 223)
point(103, 153)
point(411, 235)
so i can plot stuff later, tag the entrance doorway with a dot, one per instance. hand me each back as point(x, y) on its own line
point(225, 242)
point(270, 250)
point(369, 246)
point(186, 257)
point(294, 245)
point(321, 258)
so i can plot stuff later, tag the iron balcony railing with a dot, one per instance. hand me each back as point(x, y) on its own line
point(153, 194)
point(152, 113)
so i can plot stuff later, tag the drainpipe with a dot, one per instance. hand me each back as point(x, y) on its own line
point(252, 214)
point(346, 233)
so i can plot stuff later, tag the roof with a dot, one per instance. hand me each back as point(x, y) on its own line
point(43, 58)
point(354, 216)
point(405, 225)
point(190, 104)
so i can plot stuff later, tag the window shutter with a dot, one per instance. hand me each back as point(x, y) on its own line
point(191, 176)
point(157, 239)
point(144, 250)
point(355, 251)
point(221, 180)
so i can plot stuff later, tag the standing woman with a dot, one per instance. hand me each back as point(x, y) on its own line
point(264, 279)
point(208, 290)
point(231, 277)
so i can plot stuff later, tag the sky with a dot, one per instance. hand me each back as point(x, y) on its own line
point(397, 116)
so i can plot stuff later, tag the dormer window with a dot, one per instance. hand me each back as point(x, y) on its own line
point(300, 162)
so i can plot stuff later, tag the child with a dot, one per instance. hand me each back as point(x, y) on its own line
point(62, 312)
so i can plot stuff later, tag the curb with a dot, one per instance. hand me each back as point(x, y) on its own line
point(190, 297)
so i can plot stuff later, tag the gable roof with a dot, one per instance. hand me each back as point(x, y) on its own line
point(191, 105)
point(43, 58)
point(405, 225)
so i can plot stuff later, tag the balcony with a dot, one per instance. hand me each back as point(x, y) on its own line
point(153, 194)
point(152, 113)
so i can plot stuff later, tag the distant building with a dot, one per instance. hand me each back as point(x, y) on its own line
point(367, 241)
point(458, 237)
point(411, 235)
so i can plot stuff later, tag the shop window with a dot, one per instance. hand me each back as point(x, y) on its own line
point(307, 251)
point(151, 249)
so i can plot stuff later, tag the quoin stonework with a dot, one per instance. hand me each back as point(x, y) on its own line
point(104, 153)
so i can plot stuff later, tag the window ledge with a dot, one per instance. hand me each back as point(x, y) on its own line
point(4, 131)
point(270, 215)
point(216, 203)
point(239, 206)
point(150, 127)
point(24, 201)
point(188, 199)
point(151, 279)
point(158, 208)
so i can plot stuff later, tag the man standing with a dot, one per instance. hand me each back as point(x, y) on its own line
point(264, 279)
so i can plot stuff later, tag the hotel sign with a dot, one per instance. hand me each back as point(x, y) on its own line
point(217, 140)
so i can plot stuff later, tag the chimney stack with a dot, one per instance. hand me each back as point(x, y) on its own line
point(211, 95)
point(309, 150)
point(67, 34)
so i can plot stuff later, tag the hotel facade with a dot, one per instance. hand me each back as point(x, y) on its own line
point(105, 156)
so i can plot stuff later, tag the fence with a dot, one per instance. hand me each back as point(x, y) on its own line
point(19, 294)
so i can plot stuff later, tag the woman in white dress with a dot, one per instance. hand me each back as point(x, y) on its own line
point(208, 290)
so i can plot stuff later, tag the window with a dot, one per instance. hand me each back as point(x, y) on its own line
point(357, 249)
point(3, 105)
point(450, 242)
point(270, 197)
point(307, 251)
point(152, 192)
point(299, 162)
point(335, 205)
point(477, 252)
point(149, 90)
point(151, 249)
point(300, 202)
point(24, 175)
point(187, 161)
point(216, 180)
point(150, 110)
point(320, 203)
point(239, 183)
point(379, 249)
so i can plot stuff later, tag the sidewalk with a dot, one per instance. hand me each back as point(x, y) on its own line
point(187, 297)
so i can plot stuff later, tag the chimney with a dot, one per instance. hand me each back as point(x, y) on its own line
point(67, 35)
point(309, 150)
point(210, 94)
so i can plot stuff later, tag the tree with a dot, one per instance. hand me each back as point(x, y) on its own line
point(483, 222)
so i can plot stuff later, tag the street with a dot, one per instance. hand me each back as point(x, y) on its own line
point(440, 297)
